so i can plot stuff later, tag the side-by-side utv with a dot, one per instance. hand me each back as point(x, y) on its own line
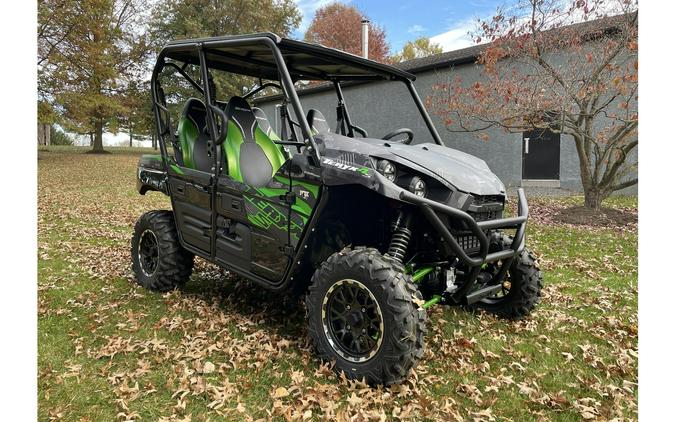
point(372, 229)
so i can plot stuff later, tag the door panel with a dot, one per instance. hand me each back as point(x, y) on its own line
point(190, 193)
point(252, 227)
point(541, 155)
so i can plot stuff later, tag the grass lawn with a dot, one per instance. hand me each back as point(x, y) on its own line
point(221, 348)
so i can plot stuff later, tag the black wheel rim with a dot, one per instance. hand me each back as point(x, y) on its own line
point(148, 253)
point(503, 293)
point(352, 321)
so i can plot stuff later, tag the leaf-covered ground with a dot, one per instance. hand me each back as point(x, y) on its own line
point(221, 348)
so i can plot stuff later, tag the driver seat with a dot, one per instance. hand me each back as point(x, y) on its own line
point(251, 154)
point(317, 122)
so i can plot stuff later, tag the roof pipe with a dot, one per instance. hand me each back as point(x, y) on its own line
point(364, 38)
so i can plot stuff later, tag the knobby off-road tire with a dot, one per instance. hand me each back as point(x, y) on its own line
point(383, 287)
point(525, 281)
point(171, 266)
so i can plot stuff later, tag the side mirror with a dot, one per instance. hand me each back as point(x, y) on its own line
point(222, 132)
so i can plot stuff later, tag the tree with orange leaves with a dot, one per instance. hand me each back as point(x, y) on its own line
point(339, 26)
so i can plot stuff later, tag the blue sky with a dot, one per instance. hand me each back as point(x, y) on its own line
point(446, 22)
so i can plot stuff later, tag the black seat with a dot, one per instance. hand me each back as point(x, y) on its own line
point(317, 122)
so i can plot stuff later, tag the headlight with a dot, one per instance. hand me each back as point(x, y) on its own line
point(417, 186)
point(387, 169)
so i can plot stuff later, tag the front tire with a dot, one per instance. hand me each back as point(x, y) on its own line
point(366, 315)
point(158, 260)
point(521, 288)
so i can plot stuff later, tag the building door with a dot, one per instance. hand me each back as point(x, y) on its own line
point(541, 155)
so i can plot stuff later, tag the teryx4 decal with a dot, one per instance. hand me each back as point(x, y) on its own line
point(365, 171)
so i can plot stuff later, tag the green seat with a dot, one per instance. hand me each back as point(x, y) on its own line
point(191, 137)
point(252, 156)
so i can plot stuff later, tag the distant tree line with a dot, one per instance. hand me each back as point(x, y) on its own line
point(95, 56)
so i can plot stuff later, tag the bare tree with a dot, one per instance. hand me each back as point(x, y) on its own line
point(565, 66)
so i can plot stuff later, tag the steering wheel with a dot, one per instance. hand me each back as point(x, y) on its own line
point(401, 131)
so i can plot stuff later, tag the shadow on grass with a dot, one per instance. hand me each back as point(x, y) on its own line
point(276, 313)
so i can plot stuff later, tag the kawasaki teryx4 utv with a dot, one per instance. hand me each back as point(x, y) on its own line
point(374, 230)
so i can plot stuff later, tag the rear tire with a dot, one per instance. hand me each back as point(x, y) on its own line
point(386, 336)
point(158, 260)
point(524, 283)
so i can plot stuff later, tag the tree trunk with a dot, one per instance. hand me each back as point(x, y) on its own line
point(91, 139)
point(593, 198)
point(44, 133)
point(131, 139)
point(98, 138)
point(154, 141)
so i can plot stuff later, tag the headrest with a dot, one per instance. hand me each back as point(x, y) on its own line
point(263, 121)
point(194, 109)
point(317, 122)
point(239, 111)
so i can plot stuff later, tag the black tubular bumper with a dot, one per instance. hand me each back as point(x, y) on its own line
point(431, 209)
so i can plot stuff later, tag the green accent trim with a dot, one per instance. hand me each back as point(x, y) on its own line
point(314, 189)
point(187, 135)
point(176, 168)
point(363, 170)
point(431, 302)
point(419, 274)
point(232, 145)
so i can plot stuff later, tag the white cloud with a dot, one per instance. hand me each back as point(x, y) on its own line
point(416, 29)
point(456, 37)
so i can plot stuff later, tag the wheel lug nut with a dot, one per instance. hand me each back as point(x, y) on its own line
point(363, 310)
point(349, 307)
point(349, 327)
point(363, 330)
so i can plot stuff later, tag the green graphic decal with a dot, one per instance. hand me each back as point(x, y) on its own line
point(266, 215)
point(363, 171)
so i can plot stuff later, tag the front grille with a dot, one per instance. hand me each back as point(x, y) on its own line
point(487, 199)
point(486, 215)
point(468, 243)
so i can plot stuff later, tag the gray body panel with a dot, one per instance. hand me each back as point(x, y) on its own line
point(455, 169)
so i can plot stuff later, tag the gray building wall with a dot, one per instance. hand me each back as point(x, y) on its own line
point(381, 107)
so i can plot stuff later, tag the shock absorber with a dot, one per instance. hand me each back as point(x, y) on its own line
point(400, 237)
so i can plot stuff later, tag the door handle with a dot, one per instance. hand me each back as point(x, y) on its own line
point(527, 145)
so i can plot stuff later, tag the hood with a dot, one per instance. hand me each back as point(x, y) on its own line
point(465, 172)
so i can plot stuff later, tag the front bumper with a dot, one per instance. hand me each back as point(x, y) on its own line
point(430, 209)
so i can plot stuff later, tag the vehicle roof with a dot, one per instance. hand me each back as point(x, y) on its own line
point(248, 55)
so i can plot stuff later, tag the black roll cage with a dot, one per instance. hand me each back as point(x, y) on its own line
point(286, 85)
